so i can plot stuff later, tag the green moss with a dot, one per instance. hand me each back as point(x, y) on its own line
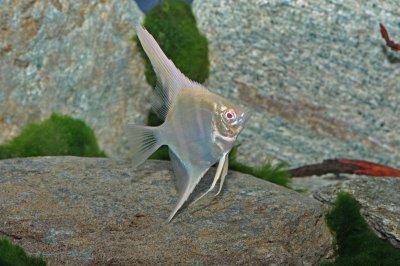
point(173, 25)
point(59, 135)
point(272, 173)
point(357, 244)
point(161, 154)
point(153, 120)
point(13, 255)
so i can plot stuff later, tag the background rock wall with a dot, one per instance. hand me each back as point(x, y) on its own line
point(316, 74)
point(76, 58)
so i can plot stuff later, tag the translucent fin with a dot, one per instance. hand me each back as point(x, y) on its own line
point(170, 80)
point(187, 179)
point(144, 140)
point(218, 174)
point(223, 175)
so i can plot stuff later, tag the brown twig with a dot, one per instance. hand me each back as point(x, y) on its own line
point(345, 166)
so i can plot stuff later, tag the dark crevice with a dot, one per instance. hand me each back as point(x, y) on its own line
point(10, 235)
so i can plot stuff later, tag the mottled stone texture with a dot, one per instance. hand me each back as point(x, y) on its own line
point(316, 74)
point(80, 211)
point(75, 58)
point(379, 199)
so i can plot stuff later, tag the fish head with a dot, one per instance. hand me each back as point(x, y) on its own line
point(229, 119)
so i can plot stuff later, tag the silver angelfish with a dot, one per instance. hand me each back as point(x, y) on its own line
point(199, 126)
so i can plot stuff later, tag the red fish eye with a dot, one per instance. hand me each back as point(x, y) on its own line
point(229, 115)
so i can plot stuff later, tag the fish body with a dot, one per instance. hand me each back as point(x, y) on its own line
point(199, 126)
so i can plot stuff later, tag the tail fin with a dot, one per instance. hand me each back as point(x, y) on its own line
point(144, 140)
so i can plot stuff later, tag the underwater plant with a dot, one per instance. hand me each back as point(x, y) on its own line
point(276, 174)
point(173, 26)
point(356, 243)
point(59, 135)
point(14, 255)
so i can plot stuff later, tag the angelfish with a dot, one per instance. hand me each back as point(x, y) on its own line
point(199, 126)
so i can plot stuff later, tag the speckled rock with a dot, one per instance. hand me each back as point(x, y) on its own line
point(311, 184)
point(316, 74)
point(75, 58)
point(80, 211)
point(379, 199)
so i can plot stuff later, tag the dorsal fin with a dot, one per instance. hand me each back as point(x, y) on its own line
point(170, 80)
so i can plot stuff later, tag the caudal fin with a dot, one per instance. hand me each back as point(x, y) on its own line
point(144, 141)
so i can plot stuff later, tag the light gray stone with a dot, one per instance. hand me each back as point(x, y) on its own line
point(316, 74)
point(311, 184)
point(80, 211)
point(75, 58)
point(380, 202)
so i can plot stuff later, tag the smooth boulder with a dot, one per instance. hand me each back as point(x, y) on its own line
point(80, 211)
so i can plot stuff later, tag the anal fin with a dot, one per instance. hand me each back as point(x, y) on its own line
point(188, 176)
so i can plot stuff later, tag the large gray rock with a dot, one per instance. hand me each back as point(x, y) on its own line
point(379, 199)
point(75, 58)
point(311, 184)
point(80, 211)
point(316, 74)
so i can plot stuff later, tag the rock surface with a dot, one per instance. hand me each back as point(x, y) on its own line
point(379, 199)
point(316, 74)
point(75, 58)
point(311, 184)
point(80, 211)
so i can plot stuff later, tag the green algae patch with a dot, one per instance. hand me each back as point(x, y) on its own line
point(57, 136)
point(11, 255)
point(356, 243)
point(272, 173)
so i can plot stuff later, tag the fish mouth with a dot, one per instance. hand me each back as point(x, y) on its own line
point(244, 117)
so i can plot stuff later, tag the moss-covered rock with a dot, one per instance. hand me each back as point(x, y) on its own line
point(58, 135)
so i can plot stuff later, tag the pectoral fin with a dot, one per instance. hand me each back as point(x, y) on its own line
point(218, 174)
point(223, 174)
